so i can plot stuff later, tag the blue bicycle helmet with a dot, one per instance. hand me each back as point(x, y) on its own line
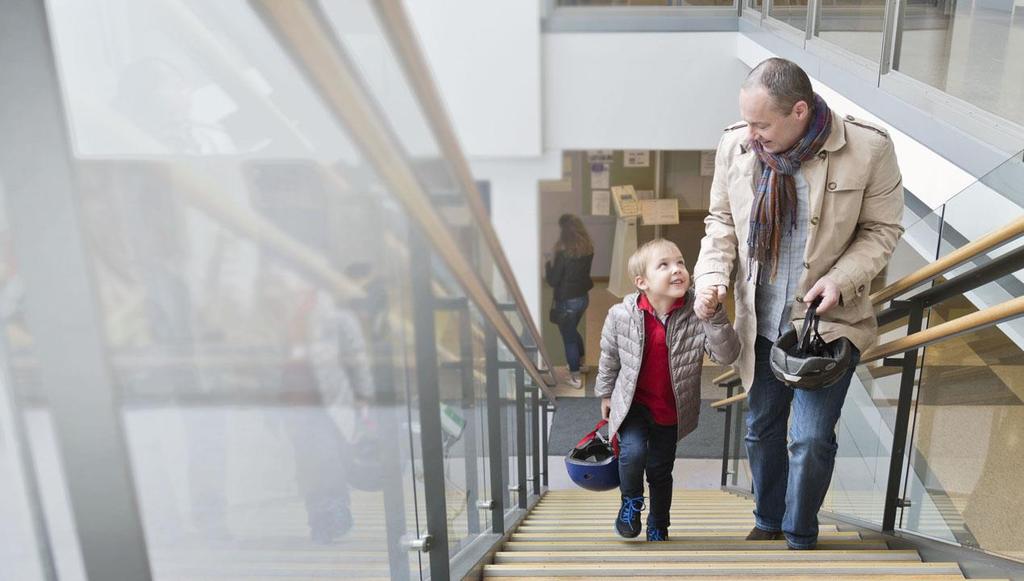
point(593, 463)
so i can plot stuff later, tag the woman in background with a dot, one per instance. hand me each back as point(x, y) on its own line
point(568, 273)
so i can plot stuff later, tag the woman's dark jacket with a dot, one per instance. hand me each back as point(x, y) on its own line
point(569, 276)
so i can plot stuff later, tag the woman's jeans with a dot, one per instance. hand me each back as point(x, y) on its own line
point(571, 311)
point(790, 484)
point(647, 446)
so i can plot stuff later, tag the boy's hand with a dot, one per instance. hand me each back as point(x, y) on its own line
point(707, 301)
point(606, 408)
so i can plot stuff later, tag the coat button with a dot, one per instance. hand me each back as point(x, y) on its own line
point(860, 289)
point(799, 299)
point(849, 117)
point(814, 220)
point(822, 155)
point(832, 186)
point(807, 265)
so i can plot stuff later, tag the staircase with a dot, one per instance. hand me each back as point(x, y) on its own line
point(570, 534)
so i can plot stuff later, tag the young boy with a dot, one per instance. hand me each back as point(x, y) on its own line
point(652, 350)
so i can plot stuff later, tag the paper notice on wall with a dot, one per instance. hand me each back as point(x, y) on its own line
point(626, 203)
point(600, 202)
point(645, 194)
point(658, 212)
point(600, 156)
point(600, 175)
point(636, 158)
point(707, 163)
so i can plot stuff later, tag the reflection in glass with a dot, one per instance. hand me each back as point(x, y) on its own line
point(20, 557)
point(36, 524)
point(254, 286)
point(969, 50)
point(855, 25)
point(645, 3)
point(969, 413)
point(792, 12)
point(864, 435)
point(278, 340)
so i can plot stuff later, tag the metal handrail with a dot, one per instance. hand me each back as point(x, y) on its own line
point(403, 39)
point(302, 32)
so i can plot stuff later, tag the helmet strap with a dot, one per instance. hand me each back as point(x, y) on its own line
point(810, 324)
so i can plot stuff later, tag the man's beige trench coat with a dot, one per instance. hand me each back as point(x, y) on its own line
point(855, 209)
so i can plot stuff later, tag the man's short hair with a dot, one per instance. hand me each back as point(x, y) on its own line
point(784, 81)
point(641, 259)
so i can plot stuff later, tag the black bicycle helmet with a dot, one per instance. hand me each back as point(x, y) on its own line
point(805, 360)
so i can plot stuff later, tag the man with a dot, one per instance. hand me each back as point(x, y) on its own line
point(805, 203)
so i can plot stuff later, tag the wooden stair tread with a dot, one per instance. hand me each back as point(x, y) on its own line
point(676, 527)
point(619, 544)
point(680, 536)
point(569, 535)
point(725, 568)
point(503, 557)
point(812, 577)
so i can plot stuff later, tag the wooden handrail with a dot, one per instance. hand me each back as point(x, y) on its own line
point(1002, 312)
point(304, 34)
point(729, 400)
point(727, 376)
point(959, 256)
point(403, 39)
point(1005, 311)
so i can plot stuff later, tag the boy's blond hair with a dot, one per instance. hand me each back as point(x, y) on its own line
point(641, 259)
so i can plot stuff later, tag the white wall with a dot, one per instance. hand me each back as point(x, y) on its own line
point(485, 57)
point(515, 207)
point(639, 90)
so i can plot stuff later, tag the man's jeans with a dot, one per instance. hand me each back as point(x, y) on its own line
point(645, 445)
point(789, 489)
point(572, 311)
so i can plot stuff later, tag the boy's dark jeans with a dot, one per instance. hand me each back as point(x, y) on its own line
point(647, 446)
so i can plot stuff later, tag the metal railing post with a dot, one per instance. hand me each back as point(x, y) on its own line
point(436, 542)
point(535, 430)
point(464, 365)
point(494, 432)
point(384, 406)
point(737, 442)
point(62, 305)
point(521, 434)
point(899, 436)
point(544, 452)
point(727, 434)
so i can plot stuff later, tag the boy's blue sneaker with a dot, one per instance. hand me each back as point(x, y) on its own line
point(657, 534)
point(627, 524)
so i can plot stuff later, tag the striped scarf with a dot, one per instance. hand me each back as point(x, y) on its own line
point(775, 199)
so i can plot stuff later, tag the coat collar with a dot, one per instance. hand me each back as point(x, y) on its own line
point(837, 138)
point(645, 305)
point(631, 302)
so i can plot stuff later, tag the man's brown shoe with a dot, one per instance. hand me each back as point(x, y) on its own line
point(757, 534)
